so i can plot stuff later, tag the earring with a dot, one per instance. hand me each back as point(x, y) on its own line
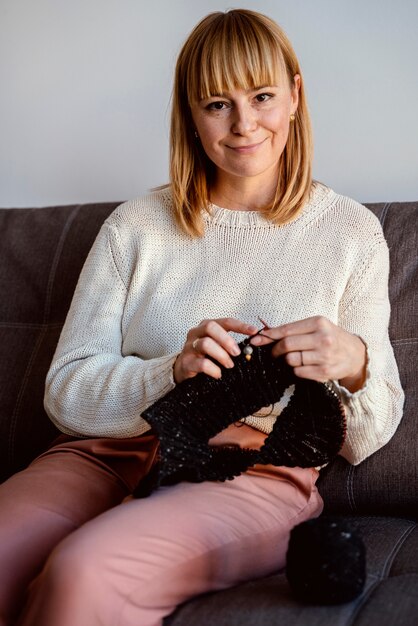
point(196, 135)
point(292, 118)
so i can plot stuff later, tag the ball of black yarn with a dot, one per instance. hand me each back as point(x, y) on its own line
point(326, 561)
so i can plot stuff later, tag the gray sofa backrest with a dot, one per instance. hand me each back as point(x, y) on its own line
point(387, 482)
point(41, 255)
point(42, 252)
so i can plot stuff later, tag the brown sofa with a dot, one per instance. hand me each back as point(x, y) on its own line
point(41, 254)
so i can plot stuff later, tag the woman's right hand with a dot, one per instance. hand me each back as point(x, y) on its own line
point(210, 338)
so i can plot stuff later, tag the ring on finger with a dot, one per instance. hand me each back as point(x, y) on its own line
point(194, 344)
point(301, 358)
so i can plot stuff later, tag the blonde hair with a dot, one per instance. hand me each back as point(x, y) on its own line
point(235, 49)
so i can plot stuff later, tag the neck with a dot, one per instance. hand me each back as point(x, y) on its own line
point(243, 194)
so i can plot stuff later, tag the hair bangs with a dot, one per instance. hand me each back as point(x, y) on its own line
point(236, 58)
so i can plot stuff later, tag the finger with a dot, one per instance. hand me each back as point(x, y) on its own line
point(301, 327)
point(304, 357)
point(328, 368)
point(311, 372)
point(219, 330)
point(210, 369)
point(209, 347)
point(232, 324)
point(296, 359)
point(317, 323)
point(296, 343)
point(192, 366)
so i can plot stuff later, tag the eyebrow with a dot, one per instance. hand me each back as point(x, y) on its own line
point(225, 94)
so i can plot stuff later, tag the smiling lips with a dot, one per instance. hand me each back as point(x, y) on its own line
point(246, 149)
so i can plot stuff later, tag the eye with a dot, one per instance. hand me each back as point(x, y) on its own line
point(216, 106)
point(263, 97)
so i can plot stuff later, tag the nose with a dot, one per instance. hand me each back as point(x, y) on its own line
point(245, 119)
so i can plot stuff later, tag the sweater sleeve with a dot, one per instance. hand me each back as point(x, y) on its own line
point(373, 412)
point(92, 389)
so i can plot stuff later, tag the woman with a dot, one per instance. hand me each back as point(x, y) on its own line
point(241, 232)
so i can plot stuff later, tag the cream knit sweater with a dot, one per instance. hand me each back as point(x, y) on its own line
point(145, 284)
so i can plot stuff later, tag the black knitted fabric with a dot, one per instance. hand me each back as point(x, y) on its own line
point(309, 432)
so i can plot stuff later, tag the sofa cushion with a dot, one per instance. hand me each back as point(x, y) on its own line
point(41, 255)
point(387, 482)
point(392, 574)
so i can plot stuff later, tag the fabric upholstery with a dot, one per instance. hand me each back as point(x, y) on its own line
point(387, 482)
point(391, 576)
point(41, 255)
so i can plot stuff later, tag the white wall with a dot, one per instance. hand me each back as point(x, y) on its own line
point(85, 88)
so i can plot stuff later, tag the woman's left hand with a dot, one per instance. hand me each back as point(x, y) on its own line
point(319, 350)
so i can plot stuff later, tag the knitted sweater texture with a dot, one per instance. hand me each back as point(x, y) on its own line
point(145, 284)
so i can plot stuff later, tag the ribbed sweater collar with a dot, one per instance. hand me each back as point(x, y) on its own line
point(319, 201)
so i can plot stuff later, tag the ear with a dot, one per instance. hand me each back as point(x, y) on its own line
point(295, 92)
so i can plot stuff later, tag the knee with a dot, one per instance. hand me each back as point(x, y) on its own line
point(73, 566)
point(65, 592)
